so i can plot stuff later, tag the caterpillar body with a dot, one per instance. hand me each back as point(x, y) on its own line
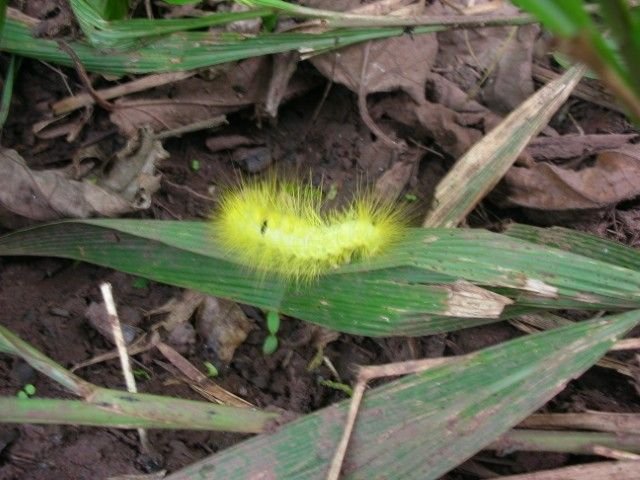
point(280, 227)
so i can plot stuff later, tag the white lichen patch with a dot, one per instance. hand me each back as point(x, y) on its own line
point(470, 301)
point(541, 288)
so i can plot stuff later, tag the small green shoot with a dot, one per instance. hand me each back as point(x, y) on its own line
point(270, 344)
point(316, 361)
point(273, 322)
point(141, 374)
point(343, 387)
point(195, 165)
point(211, 369)
point(410, 197)
point(28, 391)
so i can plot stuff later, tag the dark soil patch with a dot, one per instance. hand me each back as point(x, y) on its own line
point(44, 300)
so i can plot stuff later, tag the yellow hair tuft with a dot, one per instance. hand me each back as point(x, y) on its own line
point(277, 226)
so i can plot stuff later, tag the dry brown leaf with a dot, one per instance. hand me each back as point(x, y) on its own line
point(198, 99)
point(133, 175)
point(503, 55)
point(54, 194)
point(179, 310)
point(612, 178)
point(575, 146)
point(223, 326)
point(284, 66)
point(392, 182)
point(454, 132)
point(68, 125)
point(194, 99)
point(44, 195)
point(400, 63)
point(199, 381)
point(97, 315)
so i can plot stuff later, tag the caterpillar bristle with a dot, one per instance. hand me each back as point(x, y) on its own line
point(278, 227)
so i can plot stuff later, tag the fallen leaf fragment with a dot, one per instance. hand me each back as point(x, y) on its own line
point(45, 195)
point(613, 177)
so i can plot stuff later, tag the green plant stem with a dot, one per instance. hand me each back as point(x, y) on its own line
point(7, 89)
point(626, 31)
point(333, 18)
point(102, 406)
point(119, 409)
point(564, 442)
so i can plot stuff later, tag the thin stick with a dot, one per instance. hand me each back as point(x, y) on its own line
point(614, 453)
point(118, 338)
point(364, 375)
point(84, 78)
point(362, 105)
point(341, 450)
point(205, 124)
point(627, 344)
point(138, 85)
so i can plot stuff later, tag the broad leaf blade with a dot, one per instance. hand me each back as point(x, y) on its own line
point(578, 242)
point(423, 425)
point(411, 290)
point(186, 50)
point(355, 303)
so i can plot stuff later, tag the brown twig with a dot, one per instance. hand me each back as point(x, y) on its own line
point(118, 338)
point(366, 374)
point(84, 78)
point(138, 85)
point(364, 110)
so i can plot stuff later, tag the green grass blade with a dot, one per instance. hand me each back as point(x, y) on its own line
point(423, 425)
point(408, 291)
point(387, 305)
point(126, 34)
point(186, 50)
point(578, 242)
point(618, 16)
point(7, 89)
point(105, 407)
point(479, 170)
point(109, 9)
point(116, 409)
point(445, 255)
point(564, 17)
point(576, 442)
point(331, 18)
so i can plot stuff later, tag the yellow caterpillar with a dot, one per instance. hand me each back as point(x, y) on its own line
point(278, 226)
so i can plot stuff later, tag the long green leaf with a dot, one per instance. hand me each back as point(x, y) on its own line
point(118, 409)
point(126, 34)
point(411, 290)
point(186, 50)
point(106, 407)
point(578, 242)
point(564, 17)
point(425, 424)
point(362, 304)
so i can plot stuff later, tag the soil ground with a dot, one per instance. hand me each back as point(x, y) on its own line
point(45, 301)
